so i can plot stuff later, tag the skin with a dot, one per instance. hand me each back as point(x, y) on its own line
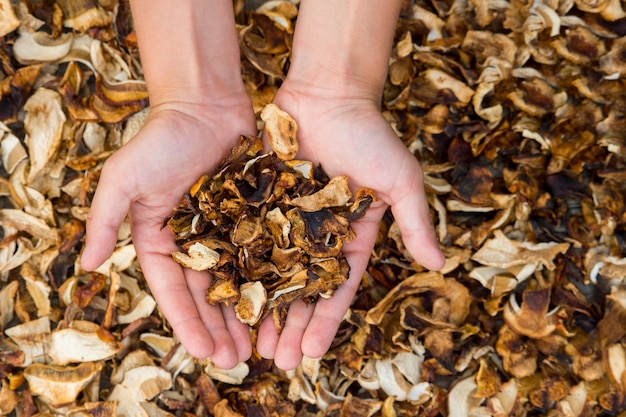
point(333, 90)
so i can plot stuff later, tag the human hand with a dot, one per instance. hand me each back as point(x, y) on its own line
point(147, 178)
point(349, 136)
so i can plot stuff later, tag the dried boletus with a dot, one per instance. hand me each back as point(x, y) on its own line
point(269, 228)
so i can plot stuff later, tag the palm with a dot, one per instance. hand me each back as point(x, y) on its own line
point(147, 178)
point(352, 139)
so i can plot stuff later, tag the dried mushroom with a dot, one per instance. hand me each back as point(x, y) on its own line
point(8, 19)
point(269, 228)
point(138, 386)
point(59, 386)
point(81, 344)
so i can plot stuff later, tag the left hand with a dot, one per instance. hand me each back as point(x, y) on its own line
point(349, 136)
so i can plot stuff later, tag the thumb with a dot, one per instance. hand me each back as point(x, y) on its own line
point(107, 212)
point(410, 210)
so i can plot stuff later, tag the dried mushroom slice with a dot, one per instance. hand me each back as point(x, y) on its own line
point(251, 302)
point(532, 319)
point(139, 385)
point(281, 129)
point(334, 194)
point(199, 257)
point(73, 345)
point(8, 20)
point(36, 47)
point(58, 386)
point(223, 291)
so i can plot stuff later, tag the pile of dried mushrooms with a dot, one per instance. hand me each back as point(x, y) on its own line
point(517, 112)
point(269, 228)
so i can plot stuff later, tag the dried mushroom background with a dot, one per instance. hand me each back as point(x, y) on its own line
point(515, 110)
point(269, 228)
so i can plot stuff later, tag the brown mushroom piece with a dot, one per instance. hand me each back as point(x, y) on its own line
point(80, 343)
point(537, 98)
point(614, 61)
point(251, 303)
point(282, 131)
point(519, 356)
point(139, 385)
point(83, 15)
point(414, 284)
point(8, 20)
point(36, 47)
point(532, 318)
point(58, 386)
point(579, 45)
point(334, 194)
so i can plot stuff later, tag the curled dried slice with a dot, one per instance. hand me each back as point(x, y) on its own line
point(58, 385)
point(281, 129)
point(198, 257)
point(73, 345)
point(35, 47)
point(532, 318)
point(334, 194)
point(223, 291)
point(8, 20)
point(251, 302)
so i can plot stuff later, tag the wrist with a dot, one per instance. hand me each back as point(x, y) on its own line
point(189, 50)
point(342, 48)
point(311, 77)
point(200, 93)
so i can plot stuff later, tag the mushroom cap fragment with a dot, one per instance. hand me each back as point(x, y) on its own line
point(58, 385)
point(33, 338)
point(34, 47)
point(12, 152)
point(461, 399)
point(417, 283)
point(503, 252)
point(7, 303)
point(73, 345)
point(44, 126)
point(235, 375)
point(8, 20)
point(334, 194)
point(532, 318)
point(282, 130)
point(251, 302)
point(198, 257)
point(139, 385)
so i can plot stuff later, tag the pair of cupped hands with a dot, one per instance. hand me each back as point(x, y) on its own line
point(181, 140)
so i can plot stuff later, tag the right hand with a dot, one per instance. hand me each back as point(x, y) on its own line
point(147, 178)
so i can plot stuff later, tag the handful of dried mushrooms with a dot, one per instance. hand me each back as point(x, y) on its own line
point(269, 228)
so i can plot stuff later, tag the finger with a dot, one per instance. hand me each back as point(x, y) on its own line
point(410, 210)
point(225, 352)
point(289, 348)
point(169, 287)
point(329, 313)
point(239, 332)
point(107, 212)
point(267, 338)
